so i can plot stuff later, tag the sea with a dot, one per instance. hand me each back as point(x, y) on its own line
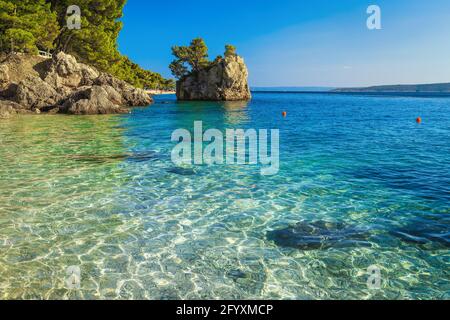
point(93, 207)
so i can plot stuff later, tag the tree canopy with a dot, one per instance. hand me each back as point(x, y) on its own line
point(193, 58)
point(27, 26)
point(31, 25)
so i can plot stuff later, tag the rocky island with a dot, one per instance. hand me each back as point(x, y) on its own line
point(224, 79)
point(30, 84)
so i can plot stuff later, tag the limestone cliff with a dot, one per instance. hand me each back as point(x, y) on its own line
point(224, 80)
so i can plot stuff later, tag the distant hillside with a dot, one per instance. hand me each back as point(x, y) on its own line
point(435, 87)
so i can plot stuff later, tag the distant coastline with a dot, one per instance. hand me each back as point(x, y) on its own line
point(415, 89)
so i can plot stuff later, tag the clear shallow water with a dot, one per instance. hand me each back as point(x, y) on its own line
point(101, 193)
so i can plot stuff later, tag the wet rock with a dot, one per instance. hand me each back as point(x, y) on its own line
point(9, 108)
point(319, 235)
point(6, 111)
point(52, 110)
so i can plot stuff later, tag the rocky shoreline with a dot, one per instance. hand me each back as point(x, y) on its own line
point(62, 85)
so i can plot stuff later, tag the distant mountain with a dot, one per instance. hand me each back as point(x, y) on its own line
point(291, 89)
point(434, 87)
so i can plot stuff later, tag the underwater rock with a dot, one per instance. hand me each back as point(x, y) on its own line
point(143, 156)
point(182, 171)
point(424, 234)
point(236, 274)
point(319, 235)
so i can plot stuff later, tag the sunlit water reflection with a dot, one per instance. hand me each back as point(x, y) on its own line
point(101, 193)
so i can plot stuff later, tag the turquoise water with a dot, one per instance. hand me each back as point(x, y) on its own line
point(360, 184)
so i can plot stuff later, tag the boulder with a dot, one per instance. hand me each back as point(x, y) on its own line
point(9, 108)
point(6, 111)
point(33, 93)
point(131, 96)
point(66, 73)
point(224, 80)
point(93, 100)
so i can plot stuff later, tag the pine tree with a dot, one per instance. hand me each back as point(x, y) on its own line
point(230, 50)
point(27, 25)
point(189, 59)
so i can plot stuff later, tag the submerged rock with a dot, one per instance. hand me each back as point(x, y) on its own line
point(424, 234)
point(319, 235)
point(182, 171)
point(225, 80)
point(143, 156)
point(236, 274)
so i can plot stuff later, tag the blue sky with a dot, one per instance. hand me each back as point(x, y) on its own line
point(297, 42)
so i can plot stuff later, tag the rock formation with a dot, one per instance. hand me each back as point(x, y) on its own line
point(224, 80)
point(4, 76)
point(94, 100)
point(35, 93)
point(63, 85)
point(9, 108)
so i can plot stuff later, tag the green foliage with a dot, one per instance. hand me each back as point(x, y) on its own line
point(31, 25)
point(194, 58)
point(133, 73)
point(179, 69)
point(189, 59)
point(21, 40)
point(230, 50)
point(96, 42)
point(27, 25)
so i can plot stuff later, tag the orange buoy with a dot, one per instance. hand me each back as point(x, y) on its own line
point(419, 120)
point(284, 114)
